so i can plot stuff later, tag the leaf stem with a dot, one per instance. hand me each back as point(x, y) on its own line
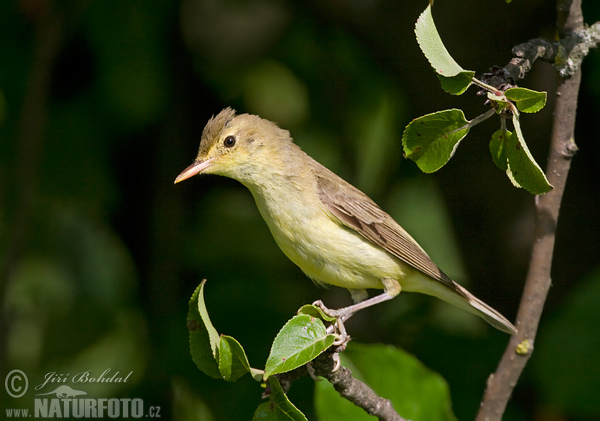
point(503, 122)
point(481, 118)
point(487, 87)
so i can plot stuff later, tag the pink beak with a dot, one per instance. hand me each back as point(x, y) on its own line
point(192, 170)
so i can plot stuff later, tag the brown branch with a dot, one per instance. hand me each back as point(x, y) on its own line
point(527, 53)
point(344, 383)
point(353, 389)
point(566, 55)
point(562, 148)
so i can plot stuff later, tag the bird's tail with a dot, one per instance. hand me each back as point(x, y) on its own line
point(458, 296)
point(486, 312)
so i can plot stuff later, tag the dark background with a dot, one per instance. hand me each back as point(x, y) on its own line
point(102, 104)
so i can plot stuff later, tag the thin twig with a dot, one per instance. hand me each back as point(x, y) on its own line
point(562, 149)
point(353, 389)
point(527, 53)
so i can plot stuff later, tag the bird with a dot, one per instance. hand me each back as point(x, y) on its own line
point(333, 231)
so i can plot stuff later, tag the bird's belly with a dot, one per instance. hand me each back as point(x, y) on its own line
point(333, 254)
point(326, 251)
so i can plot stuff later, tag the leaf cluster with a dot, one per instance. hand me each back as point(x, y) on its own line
point(300, 340)
point(414, 389)
point(431, 140)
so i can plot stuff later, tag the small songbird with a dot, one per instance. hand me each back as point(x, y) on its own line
point(334, 232)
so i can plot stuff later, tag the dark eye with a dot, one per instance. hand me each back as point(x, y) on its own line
point(229, 141)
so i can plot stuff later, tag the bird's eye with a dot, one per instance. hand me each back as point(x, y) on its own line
point(229, 141)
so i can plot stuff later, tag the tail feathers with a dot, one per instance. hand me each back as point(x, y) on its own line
point(476, 306)
point(455, 294)
point(492, 316)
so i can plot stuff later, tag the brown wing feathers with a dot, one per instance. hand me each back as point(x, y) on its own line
point(357, 211)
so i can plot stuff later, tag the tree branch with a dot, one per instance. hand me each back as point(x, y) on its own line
point(566, 55)
point(562, 148)
point(345, 384)
point(353, 389)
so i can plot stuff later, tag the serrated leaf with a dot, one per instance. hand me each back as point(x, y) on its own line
point(498, 148)
point(455, 79)
point(523, 171)
point(432, 46)
point(416, 392)
point(299, 341)
point(431, 140)
point(315, 311)
point(233, 362)
point(526, 100)
point(203, 336)
point(279, 407)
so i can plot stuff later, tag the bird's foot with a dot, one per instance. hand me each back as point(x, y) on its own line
point(337, 328)
point(336, 314)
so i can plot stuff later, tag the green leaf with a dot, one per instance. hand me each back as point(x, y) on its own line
point(204, 338)
point(526, 100)
point(432, 46)
point(416, 392)
point(456, 85)
point(315, 311)
point(279, 407)
point(233, 362)
point(454, 78)
point(523, 171)
point(498, 148)
point(431, 140)
point(299, 341)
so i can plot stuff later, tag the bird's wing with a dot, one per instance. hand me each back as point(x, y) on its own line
point(357, 211)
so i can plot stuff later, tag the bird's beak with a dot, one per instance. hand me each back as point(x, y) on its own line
point(192, 170)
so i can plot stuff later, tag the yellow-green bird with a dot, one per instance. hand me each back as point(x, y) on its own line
point(334, 232)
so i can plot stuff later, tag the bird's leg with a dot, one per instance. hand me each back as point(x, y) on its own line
point(346, 312)
point(391, 289)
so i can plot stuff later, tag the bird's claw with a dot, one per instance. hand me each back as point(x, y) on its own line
point(336, 314)
point(337, 361)
point(342, 337)
point(337, 328)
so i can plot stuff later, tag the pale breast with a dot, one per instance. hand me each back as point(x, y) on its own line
point(326, 251)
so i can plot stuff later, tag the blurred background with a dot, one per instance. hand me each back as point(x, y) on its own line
point(102, 104)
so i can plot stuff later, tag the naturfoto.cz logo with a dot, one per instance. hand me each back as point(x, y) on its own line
point(64, 401)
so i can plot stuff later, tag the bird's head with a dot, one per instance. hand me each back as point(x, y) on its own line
point(237, 146)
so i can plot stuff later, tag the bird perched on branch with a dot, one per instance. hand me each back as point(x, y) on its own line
point(334, 232)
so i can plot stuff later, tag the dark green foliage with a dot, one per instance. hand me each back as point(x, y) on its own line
point(99, 252)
